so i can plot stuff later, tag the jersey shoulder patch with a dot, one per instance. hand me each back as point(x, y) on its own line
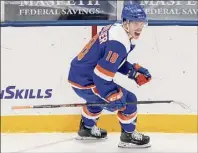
point(117, 33)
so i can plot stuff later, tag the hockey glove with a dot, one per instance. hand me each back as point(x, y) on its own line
point(116, 101)
point(139, 74)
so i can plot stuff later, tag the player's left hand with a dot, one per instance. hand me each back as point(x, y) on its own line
point(139, 74)
point(116, 101)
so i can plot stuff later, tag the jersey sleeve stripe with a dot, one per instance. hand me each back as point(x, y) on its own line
point(103, 73)
point(103, 76)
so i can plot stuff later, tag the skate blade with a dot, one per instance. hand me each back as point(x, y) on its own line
point(131, 145)
point(89, 138)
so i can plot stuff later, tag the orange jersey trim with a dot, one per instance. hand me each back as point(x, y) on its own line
point(81, 87)
point(124, 117)
point(86, 111)
point(105, 71)
point(115, 96)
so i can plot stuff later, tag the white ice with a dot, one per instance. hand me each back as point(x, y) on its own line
point(65, 142)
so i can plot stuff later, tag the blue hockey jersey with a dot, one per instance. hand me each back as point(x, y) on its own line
point(100, 59)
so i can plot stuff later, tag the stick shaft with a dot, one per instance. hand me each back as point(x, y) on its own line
point(89, 104)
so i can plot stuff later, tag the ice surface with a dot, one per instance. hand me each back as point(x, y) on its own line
point(65, 142)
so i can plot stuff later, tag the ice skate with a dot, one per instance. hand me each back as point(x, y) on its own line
point(134, 140)
point(93, 133)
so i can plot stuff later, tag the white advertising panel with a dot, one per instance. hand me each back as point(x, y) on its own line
point(35, 62)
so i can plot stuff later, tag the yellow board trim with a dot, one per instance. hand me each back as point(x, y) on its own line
point(70, 123)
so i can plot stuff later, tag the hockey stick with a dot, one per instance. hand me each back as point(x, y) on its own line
point(97, 104)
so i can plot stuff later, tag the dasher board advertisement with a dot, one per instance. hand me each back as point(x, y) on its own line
point(60, 10)
point(169, 9)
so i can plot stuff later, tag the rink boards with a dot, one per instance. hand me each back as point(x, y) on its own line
point(70, 123)
point(35, 63)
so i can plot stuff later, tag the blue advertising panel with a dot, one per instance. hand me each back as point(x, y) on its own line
point(96, 12)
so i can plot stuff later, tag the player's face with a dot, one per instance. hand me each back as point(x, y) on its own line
point(135, 29)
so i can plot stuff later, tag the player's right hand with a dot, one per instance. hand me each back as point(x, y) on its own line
point(116, 101)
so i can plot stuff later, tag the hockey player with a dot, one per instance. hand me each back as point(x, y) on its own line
point(92, 72)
